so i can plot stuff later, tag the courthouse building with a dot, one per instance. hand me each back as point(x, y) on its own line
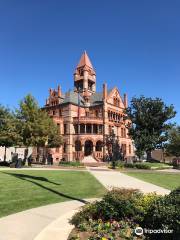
point(85, 117)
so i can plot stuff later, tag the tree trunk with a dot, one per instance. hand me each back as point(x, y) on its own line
point(5, 154)
point(148, 155)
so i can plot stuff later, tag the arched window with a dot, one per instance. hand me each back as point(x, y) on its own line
point(78, 146)
point(99, 146)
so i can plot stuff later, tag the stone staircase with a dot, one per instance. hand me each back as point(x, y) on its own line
point(89, 159)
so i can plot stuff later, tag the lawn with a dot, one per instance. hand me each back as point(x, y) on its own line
point(166, 180)
point(157, 165)
point(21, 190)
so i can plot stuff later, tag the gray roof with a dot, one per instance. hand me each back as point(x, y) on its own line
point(72, 97)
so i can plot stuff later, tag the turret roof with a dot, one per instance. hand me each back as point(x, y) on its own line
point(84, 61)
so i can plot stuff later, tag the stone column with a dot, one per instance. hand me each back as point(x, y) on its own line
point(94, 148)
point(84, 128)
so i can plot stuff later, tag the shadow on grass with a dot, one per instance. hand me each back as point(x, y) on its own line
point(30, 179)
point(43, 179)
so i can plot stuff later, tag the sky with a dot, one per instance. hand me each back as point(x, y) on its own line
point(132, 44)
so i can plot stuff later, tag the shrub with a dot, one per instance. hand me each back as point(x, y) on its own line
point(144, 203)
point(120, 164)
point(129, 165)
point(117, 204)
point(72, 164)
point(131, 208)
point(164, 213)
point(4, 164)
point(142, 166)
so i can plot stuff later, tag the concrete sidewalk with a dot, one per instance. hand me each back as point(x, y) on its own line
point(28, 224)
point(116, 179)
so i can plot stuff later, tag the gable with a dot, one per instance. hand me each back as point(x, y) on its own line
point(114, 98)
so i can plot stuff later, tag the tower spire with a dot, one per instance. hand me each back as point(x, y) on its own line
point(84, 61)
point(84, 75)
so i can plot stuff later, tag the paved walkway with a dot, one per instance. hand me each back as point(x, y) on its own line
point(116, 179)
point(29, 224)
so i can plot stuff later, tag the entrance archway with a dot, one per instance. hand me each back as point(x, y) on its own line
point(88, 148)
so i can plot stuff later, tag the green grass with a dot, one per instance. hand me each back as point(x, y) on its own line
point(166, 180)
point(157, 165)
point(20, 190)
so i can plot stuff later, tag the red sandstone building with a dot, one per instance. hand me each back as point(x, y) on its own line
point(85, 117)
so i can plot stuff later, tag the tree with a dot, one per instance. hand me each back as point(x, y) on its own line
point(114, 150)
point(35, 126)
point(148, 127)
point(9, 135)
point(173, 147)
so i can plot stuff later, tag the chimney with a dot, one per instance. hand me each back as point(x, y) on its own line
point(104, 91)
point(59, 91)
point(125, 100)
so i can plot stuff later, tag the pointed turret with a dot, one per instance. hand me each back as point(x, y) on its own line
point(84, 61)
point(84, 75)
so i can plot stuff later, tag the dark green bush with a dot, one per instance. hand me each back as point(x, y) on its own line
point(72, 164)
point(129, 165)
point(164, 213)
point(142, 166)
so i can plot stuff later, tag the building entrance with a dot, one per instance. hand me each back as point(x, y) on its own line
point(88, 148)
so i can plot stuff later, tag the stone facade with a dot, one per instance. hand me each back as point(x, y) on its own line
point(85, 117)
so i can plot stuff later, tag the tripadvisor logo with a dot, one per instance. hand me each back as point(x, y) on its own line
point(138, 231)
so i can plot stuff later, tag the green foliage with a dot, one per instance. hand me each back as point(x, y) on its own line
point(142, 166)
point(73, 164)
point(129, 165)
point(137, 165)
point(117, 204)
point(121, 210)
point(164, 213)
point(173, 147)
point(149, 123)
point(9, 135)
point(35, 126)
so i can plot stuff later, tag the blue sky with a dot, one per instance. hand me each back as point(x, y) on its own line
point(134, 45)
